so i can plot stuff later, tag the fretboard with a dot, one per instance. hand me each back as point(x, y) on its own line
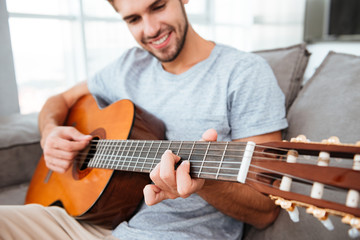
point(209, 160)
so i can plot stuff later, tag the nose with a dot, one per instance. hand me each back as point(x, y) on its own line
point(151, 27)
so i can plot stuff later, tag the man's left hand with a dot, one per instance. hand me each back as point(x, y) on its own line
point(171, 183)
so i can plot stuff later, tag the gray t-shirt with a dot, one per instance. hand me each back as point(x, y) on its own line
point(231, 91)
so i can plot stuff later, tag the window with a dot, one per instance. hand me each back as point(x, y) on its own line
point(57, 43)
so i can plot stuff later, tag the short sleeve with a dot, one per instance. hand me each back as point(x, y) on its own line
point(104, 85)
point(255, 101)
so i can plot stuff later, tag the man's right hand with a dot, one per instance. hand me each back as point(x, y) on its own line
point(61, 145)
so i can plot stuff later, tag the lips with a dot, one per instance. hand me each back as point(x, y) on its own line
point(161, 42)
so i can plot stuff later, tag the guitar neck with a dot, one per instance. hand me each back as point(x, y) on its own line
point(209, 160)
point(228, 161)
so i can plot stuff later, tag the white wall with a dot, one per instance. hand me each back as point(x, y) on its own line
point(319, 51)
point(9, 102)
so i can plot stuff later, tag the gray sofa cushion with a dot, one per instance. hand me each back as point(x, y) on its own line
point(13, 195)
point(288, 65)
point(19, 148)
point(328, 105)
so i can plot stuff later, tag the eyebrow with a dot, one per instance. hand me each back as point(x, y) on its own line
point(149, 7)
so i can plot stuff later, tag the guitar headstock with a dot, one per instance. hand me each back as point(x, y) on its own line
point(323, 177)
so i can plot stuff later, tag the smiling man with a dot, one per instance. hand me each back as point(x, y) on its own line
point(192, 85)
point(163, 39)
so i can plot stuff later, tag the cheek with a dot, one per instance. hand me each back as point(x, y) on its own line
point(136, 33)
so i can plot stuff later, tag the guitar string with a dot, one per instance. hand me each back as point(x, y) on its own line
point(236, 169)
point(204, 143)
point(126, 148)
point(117, 148)
point(306, 158)
point(225, 175)
point(112, 160)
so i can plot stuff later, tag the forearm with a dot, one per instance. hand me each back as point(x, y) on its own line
point(52, 114)
point(240, 202)
point(56, 108)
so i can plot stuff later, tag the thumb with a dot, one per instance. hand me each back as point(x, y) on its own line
point(209, 135)
point(75, 135)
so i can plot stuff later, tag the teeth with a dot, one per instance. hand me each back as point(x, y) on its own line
point(161, 40)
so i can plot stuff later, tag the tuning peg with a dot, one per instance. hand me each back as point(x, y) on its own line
point(289, 207)
point(354, 233)
point(300, 138)
point(322, 215)
point(294, 214)
point(354, 222)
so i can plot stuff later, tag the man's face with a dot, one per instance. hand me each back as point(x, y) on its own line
point(159, 26)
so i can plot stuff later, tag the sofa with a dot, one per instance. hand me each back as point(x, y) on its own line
point(328, 104)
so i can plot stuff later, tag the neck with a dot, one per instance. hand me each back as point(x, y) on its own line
point(195, 50)
point(209, 160)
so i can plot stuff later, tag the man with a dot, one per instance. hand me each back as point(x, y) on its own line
point(192, 85)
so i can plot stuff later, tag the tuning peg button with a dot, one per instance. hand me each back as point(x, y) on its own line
point(294, 214)
point(328, 224)
point(354, 233)
point(300, 138)
point(322, 215)
point(332, 140)
point(289, 207)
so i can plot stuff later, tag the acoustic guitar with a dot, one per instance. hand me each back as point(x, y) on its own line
point(104, 185)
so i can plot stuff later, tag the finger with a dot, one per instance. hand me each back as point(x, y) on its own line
point(56, 153)
point(209, 135)
point(154, 174)
point(73, 134)
point(57, 165)
point(153, 194)
point(66, 145)
point(56, 168)
point(185, 184)
point(167, 169)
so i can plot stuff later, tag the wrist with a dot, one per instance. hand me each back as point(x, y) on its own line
point(45, 131)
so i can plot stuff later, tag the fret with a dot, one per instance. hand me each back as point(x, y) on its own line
point(221, 161)
point(122, 157)
point(108, 156)
point(101, 152)
point(191, 150)
point(117, 158)
point(169, 147)
point(179, 148)
point(146, 157)
point(232, 160)
point(202, 163)
point(92, 158)
point(110, 159)
point(139, 156)
point(156, 153)
point(132, 156)
point(127, 155)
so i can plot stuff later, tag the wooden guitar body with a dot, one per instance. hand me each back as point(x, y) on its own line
point(100, 196)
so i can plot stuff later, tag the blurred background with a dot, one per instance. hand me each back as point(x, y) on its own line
point(49, 45)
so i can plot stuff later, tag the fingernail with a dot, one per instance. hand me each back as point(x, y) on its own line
point(185, 162)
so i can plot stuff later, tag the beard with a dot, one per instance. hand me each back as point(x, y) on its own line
point(170, 53)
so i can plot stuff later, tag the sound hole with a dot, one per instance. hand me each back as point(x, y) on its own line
point(81, 169)
point(89, 153)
